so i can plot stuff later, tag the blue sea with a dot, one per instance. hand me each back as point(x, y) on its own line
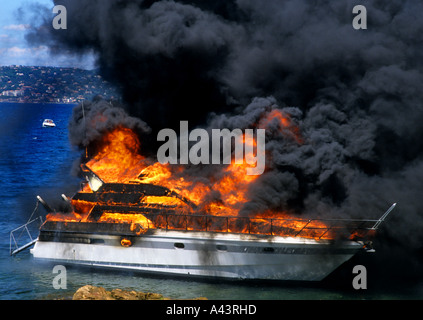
point(38, 161)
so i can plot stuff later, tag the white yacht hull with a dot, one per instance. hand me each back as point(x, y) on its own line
point(202, 254)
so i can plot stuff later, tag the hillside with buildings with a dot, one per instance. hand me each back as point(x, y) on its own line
point(52, 85)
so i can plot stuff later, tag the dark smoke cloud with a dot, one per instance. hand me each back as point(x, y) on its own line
point(356, 95)
point(91, 119)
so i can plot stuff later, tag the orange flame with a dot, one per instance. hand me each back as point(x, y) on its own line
point(284, 122)
point(117, 159)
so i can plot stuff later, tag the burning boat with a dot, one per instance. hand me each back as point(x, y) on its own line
point(124, 231)
point(133, 215)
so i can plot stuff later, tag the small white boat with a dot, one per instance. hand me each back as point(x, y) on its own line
point(48, 123)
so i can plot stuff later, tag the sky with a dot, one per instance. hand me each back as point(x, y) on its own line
point(14, 50)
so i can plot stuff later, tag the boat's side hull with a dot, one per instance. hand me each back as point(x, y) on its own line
point(202, 254)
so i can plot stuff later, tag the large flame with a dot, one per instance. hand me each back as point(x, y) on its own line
point(116, 158)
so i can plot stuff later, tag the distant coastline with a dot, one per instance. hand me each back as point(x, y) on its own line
point(26, 84)
point(36, 102)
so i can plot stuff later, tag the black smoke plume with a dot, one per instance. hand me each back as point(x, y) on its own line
point(356, 95)
point(91, 119)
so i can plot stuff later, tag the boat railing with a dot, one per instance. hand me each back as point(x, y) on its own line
point(293, 227)
point(24, 235)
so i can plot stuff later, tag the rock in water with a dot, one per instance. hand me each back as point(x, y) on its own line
point(89, 292)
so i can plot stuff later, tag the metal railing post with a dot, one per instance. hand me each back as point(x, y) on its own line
point(167, 223)
point(381, 219)
point(308, 222)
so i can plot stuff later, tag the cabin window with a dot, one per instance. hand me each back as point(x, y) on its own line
point(179, 245)
point(97, 241)
point(221, 247)
point(268, 250)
